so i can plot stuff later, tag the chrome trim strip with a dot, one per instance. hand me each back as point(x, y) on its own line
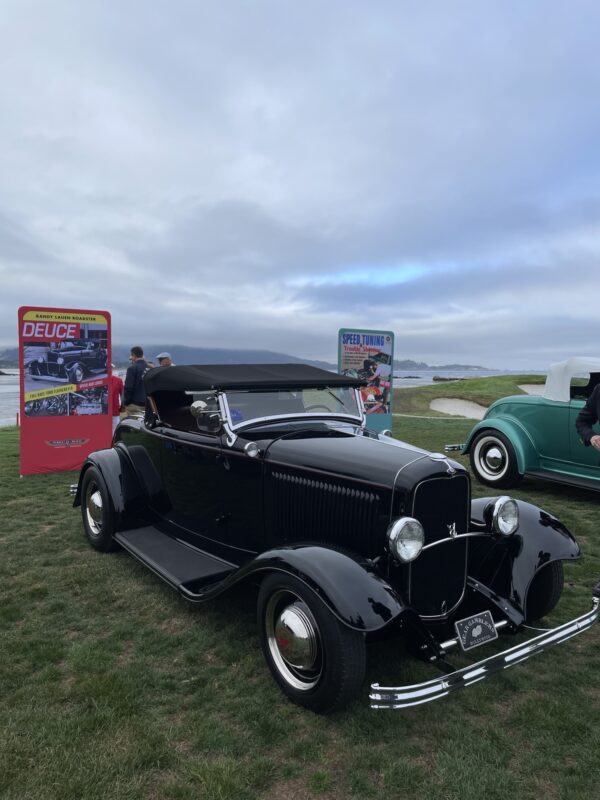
point(453, 539)
point(394, 697)
point(297, 416)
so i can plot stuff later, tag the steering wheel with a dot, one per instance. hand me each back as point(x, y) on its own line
point(317, 405)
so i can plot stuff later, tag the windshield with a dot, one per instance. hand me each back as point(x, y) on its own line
point(249, 405)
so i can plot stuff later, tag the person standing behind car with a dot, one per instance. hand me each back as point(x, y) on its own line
point(116, 396)
point(134, 394)
point(588, 416)
point(164, 360)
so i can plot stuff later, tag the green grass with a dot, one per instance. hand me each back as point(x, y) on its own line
point(112, 687)
point(478, 390)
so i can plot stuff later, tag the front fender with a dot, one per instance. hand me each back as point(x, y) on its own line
point(350, 588)
point(508, 564)
point(517, 435)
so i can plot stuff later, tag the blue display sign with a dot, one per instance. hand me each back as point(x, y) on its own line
point(369, 355)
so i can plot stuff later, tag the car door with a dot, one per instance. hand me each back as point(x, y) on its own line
point(586, 459)
point(214, 492)
point(191, 476)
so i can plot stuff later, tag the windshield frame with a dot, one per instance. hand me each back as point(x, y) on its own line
point(332, 415)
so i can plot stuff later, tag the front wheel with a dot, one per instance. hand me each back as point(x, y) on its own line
point(76, 373)
point(97, 511)
point(317, 661)
point(493, 460)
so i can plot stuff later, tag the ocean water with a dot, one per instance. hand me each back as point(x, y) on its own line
point(9, 397)
point(9, 385)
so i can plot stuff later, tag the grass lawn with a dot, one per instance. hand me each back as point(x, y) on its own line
point(112, 687)
point(415, 400)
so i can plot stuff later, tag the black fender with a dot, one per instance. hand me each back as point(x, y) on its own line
point(349, 587)
point(508, 564)
point(126, 491)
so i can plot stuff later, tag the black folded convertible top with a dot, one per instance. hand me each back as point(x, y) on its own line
point(205, 377)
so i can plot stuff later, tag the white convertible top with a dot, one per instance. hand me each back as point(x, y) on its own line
point(558, 382)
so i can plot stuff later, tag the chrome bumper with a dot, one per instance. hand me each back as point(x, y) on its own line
point(405, 696)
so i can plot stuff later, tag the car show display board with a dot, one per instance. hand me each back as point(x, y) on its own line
point(64, 361)
point(369, 355)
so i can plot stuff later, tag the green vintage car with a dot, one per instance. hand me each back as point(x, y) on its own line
point(535, 435)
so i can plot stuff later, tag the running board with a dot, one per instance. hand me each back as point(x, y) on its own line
point(568, 480)
point(177, 563)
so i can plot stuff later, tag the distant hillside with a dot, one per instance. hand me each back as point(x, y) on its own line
point(408, 364)
point(190, 355)
point(182, 354)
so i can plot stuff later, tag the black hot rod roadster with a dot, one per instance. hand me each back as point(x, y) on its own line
point(267, 472)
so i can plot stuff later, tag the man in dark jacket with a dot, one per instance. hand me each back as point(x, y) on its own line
point(589, 415)
point(134, 394)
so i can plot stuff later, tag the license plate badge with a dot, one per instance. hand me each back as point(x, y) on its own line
point(476, 630)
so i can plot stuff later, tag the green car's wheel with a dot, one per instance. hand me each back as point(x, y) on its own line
point(545, 591)
point(318, 662)
point(493, 460)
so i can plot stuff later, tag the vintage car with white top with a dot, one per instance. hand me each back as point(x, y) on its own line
point(266, 473)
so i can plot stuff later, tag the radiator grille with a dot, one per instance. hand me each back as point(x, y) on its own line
point(437, 577)
point(322, 510)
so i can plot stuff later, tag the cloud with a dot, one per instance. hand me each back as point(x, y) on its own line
point(261, 174)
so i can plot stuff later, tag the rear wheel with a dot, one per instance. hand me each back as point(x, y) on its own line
point(97, 511)
point(545, 591)
point(317, 661)
point(493, 460)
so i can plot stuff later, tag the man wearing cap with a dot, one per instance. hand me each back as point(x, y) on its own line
point(164, 360)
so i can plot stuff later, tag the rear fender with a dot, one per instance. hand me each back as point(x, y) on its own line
point(527, 457)
point(124, 488)
point(350, 588)
point(508, 564)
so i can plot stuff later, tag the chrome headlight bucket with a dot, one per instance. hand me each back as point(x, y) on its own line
point(505, 516)
point(406, 538)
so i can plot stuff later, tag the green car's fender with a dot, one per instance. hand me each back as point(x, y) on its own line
point(515, 432)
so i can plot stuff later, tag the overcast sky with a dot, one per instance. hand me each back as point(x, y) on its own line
point(259, 174)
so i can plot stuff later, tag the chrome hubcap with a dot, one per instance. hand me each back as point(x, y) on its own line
point(491, 457)
point(93, 508)
point(293, 640)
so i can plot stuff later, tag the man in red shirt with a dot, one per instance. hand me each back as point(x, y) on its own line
point(116, 397)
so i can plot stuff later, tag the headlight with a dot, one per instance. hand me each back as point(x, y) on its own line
point(505, 516)
point(60, 360)
point(406, 538)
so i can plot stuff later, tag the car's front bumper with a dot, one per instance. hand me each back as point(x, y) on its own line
point(419, 693)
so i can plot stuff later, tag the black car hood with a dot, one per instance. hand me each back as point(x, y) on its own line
point(354, 456)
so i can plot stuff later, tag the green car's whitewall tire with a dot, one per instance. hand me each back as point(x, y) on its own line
point(493, 460)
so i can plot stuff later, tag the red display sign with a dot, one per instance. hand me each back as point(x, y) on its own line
point(65, 357)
